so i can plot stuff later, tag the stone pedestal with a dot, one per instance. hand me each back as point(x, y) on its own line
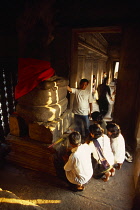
point(50, 132)
point(42, 116)
point(31, 154)
point(42, 113)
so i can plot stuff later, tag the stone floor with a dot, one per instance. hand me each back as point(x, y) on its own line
point(43, 191)
point(26, 189)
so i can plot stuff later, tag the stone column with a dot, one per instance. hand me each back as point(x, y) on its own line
point(81, 67)
point(101, 69)
point(110, 69)
point(88, 71)
point(74, 65)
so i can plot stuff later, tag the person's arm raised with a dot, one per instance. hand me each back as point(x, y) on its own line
point(69, 89)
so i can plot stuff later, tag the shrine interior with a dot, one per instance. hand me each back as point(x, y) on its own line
point(75, 39)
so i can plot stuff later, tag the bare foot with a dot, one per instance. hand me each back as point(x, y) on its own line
point(80, 187)
point(107, 175)
point(112, 171)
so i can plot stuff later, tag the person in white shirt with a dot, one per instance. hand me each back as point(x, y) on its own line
point(101, 150)
point(78, 168)
point(117, 144)
point(82, 107)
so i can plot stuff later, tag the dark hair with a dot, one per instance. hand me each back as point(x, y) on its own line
point(105, 80)
point(97, 116)
point(84, 80)
point(75, 138)
point(96, 130)
point(114, 129)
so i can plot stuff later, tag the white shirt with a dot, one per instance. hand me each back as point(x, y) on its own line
point(79, 169)
point(81, 101)
point(118, 148)
point(104, 142)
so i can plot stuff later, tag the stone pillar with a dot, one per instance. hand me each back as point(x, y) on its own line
point(110, 68)
point(88, 71)
point(81, 67)
point(95, 67)
point(74, 65)
point(101, 69)
point(88, 67)
point(74, 59)
point(95, 70)
point(127, 103)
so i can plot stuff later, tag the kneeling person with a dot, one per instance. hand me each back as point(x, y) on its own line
point(117, 144)
point(78, 168)
point(102, 153)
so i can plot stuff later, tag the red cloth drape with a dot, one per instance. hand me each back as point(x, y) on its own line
point(30, 73)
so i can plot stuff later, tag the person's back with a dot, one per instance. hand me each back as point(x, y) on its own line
point(101, 150)
point(118, 148)
point(117, 143)
point(104, 91)
point(104, 142)
point(83, 156)
point(78, 168)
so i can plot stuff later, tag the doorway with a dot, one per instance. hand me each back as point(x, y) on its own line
point(94, 51)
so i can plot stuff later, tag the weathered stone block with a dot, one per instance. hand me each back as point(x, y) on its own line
point(50, 132)
point(45, 132)
point(40, 97)
point(66, 119)
point(53, 82)
point(42, 113)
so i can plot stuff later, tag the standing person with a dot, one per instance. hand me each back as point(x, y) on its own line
point(94, 85)
point(117, 144)
point(104, 76)
point(102, 153)
point(78, 168)
point(82, 107)
point(103, 94)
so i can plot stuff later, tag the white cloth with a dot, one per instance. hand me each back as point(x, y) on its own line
point(118, 148)
point(81, 101)
point(104, 142)
point(79, 169)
